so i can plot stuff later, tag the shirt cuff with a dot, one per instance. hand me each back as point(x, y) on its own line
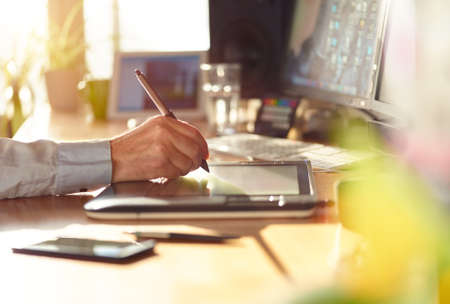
point(83, 165)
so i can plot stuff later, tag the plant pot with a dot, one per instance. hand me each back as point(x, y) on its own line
point(62, 89)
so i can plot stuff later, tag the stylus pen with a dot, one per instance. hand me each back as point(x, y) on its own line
point(154, 97)
point(183, 236)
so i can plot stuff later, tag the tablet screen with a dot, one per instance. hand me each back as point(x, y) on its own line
point(254, 180)
point(221, 181)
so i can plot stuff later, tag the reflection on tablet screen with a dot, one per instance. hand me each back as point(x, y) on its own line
point(223, 180)
point(253, 180)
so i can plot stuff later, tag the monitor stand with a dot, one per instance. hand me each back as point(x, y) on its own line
point(318, 121)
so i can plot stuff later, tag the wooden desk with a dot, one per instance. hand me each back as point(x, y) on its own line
point(275, 259)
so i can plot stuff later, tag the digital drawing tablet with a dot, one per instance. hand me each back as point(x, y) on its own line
point(237, 189)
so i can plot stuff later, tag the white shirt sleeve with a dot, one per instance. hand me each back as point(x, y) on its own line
point(45, 167)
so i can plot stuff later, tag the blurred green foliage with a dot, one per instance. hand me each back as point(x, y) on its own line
point(406, 258)
point(15, 74)
point(65, 43)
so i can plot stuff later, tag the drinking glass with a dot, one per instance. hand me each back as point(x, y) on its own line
point(222, 90)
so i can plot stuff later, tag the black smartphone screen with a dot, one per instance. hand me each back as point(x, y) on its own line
point(90, 249)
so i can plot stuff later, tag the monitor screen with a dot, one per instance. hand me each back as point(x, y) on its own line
point(175, 76)
point(334, 50)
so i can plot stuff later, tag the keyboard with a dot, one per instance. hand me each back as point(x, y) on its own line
point(260, 147)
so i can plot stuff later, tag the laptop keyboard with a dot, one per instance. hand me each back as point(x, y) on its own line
point(278, 149)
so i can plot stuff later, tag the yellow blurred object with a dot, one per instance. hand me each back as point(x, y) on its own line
point(444, 287)
point(397, 216)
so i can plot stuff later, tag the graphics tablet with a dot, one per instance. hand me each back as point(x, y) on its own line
point(242, 189)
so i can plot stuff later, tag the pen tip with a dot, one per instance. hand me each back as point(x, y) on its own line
point(204, 165)
point(137, 72)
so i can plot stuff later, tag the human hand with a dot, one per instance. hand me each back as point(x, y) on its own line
point(160, 147)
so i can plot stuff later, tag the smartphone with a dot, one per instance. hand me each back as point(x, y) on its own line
point(90, 249)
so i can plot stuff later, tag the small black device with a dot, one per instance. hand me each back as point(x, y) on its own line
point(89, 249)
point(276, 116)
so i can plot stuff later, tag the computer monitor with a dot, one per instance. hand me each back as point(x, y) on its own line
point(398, 61)
point(174, 75)
point(334, 51)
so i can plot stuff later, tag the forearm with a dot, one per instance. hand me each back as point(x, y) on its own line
point(44, 167)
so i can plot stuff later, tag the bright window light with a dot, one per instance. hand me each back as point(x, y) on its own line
point(18, 24)
point(23, 24)
point(151, 25)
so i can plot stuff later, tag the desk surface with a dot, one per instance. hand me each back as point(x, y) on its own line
point(274, 259)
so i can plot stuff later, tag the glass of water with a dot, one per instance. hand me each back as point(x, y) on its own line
point(222, 91)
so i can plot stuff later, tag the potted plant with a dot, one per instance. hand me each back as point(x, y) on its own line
point(18, 101)
point(65, 50)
